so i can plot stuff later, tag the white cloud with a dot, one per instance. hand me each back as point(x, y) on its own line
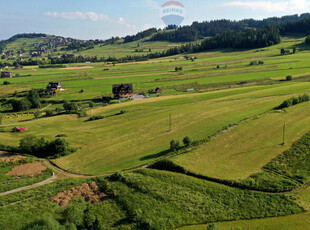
point(79, 15)
point(89, 16)
point(282, 6)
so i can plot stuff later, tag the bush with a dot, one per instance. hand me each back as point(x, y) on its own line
point(49, 113)
point(91, 104)
point(37, 114)
point(175, 144)
point(21, 105)
point(289, 78)
point(45, 222)
point(187, 141)
point(93, 118)
point(178, 69)
point(294, 101)
point(70, 106)
point(82, 113)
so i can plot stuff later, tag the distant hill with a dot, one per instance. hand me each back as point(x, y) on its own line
point(41, 49)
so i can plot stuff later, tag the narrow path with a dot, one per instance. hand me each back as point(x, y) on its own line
point(62, 173)
point(45, 107)
point(47, 181)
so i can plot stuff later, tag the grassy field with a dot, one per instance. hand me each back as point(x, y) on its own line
point(137, 200)
point(244, 150)
point(120, 141)
point(142, 135)
point(234, 67)
point(299, 221)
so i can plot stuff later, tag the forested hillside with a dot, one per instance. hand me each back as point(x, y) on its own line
point(212, 28)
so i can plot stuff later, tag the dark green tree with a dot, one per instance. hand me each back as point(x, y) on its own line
point(34, 98)
point(187, 141)
point(175, 144)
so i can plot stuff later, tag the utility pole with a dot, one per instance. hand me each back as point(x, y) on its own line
point(284, 128)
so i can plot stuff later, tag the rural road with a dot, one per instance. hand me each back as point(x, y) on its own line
point(47, 181)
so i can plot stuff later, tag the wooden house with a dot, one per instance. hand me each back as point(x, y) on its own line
point(6, 75)
point(123, 91)
point(55, 87)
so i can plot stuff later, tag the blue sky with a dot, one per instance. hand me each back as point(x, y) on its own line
point(90, 19)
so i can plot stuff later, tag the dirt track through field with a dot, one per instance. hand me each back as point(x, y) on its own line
point(47, 181)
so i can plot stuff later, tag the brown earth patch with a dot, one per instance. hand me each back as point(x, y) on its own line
point(90, 191)
point(11, 158)
point(81, 67)
point(30, 169)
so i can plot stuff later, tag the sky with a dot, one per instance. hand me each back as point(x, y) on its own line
point(102, 19)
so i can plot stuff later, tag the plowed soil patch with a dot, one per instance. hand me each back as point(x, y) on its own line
point(11, 159)
point(30, 169)
point(90, 191)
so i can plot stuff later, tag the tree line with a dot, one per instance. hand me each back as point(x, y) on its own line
point(212, 28)
point(140, 35)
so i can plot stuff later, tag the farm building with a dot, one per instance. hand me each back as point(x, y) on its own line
point(123, 90)
point(55, 87)
point(6, 75)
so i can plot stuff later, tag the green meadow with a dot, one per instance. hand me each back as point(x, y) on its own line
point(230, 112)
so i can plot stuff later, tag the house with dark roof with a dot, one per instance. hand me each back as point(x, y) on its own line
point(6, 75)
point(122, 91)
point(55, 87)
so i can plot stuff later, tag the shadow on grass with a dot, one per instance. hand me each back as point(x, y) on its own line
point(157, 155)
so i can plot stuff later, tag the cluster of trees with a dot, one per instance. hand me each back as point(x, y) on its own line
point(294, 101)
point(31, 101)
point(43, 148)
point(176, 144)
point(140, 35)
point(80, 45)
point(292, 23)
